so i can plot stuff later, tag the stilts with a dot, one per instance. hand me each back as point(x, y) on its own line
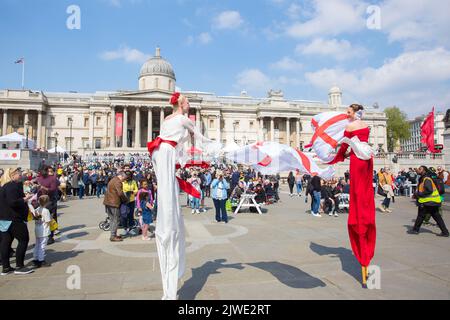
point(365, 275)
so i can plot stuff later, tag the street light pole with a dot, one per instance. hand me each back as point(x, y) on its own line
point(26, 132)
point(56, 144)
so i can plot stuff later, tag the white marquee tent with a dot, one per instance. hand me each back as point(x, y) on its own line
point(16, 141)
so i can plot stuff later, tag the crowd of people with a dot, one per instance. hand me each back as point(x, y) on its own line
point(130, 197)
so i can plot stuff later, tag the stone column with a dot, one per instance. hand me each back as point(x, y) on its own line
point(113, 127)
point(39, 130)
point(137, 137)
point(125, 127)
point(219, 133)
point(272, 129)
point(197, 119)
point(297, 131)
point(26, 118)
point(91, 129)
point(105, 134)
point(161, 118)
point(261, 129)
point(150, 125)
point(5, 121)
point(288, 132)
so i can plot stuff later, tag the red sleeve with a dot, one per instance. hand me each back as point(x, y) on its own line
point(340, 156)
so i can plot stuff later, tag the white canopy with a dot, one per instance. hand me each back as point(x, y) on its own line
point(230, 147)
point(16, 141)
point(58, 149)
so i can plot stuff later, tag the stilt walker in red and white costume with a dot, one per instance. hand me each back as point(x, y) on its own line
point(361, 221)
point(167, 152)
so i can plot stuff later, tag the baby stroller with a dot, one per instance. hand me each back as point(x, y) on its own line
point(343, 202)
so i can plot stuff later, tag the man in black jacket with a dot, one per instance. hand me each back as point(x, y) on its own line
point(13, 218)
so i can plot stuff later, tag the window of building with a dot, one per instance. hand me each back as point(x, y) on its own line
point(98, 143)
point(170, 85)
point(52, 121)
point(69, 120)
point(86, 122)
point(251, 125)
point(97, 121)
point(85, 143)
point(156, 83)
point(21, 121)
point(211, 123)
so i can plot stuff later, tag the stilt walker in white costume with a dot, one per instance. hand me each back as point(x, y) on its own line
point(167, 152)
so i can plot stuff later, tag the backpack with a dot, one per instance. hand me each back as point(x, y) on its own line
point(440, 185)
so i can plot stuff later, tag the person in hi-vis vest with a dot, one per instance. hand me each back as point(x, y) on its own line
point(428, 201)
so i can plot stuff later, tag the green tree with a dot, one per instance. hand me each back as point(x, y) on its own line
point(397, 127)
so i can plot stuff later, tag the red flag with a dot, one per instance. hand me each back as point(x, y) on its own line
point(427, 132)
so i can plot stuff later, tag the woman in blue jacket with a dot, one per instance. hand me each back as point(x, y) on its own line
point(219, 194)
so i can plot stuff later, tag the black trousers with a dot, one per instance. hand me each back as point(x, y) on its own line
point(19, 231)
point(291, 188)
point(434, 212)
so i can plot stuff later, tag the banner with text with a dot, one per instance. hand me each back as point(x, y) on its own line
point(119, 124)
point(10, 155)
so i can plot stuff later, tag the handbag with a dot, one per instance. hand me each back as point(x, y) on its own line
point(53, 225)
point(381, 192)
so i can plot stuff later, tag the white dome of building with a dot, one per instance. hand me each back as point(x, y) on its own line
point(335, 89)
point(157, 73)
point(335, 97)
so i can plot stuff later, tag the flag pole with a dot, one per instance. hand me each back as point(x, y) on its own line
point(23, 74)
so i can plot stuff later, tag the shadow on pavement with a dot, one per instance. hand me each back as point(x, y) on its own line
point(66, 229)
point(288, 275)
point(348, 261)
point(200, 275)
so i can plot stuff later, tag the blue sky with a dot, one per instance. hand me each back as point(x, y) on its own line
point(225, 46)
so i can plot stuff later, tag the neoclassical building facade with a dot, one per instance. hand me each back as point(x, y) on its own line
point(124, 121)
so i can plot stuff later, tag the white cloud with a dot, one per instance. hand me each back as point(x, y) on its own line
point(338, 49)
point(228, 20)
point(204, 38)
point(257, 83)
point(294, 11)
point(286, 64)
point(331, 17)
point(252, 80)
point(413, 80)
point(125, 53)
point(416, 23)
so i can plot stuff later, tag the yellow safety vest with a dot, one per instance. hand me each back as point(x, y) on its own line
point(434, 197)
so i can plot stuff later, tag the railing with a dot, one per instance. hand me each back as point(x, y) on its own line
point(410, 156)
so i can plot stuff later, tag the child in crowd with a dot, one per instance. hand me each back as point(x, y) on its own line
point(146, 203)
point(143, 189)
point(42, 230)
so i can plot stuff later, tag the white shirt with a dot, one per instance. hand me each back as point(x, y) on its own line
point(42, 226)
point(445, 176)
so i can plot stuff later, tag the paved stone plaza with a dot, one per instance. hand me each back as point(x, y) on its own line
point(283, 254)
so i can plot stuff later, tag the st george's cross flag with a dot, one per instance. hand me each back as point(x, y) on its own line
point(328, 128)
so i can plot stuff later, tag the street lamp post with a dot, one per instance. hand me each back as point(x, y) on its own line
point(26, 133)
point(56, 144)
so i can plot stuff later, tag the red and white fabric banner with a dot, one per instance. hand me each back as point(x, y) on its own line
point(272, 158)
point(328, 128)
point(119, 124)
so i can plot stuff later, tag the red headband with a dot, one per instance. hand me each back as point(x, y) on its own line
point(174, 99)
